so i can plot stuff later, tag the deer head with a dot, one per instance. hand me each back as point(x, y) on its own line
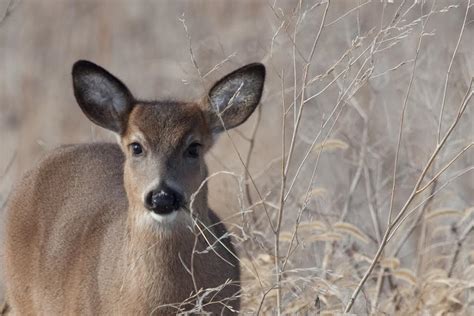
point(164, 142)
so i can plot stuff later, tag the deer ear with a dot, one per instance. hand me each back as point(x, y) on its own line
point(104, 99)
point(234, 98)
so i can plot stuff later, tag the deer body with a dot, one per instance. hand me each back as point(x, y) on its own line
point(110, 228)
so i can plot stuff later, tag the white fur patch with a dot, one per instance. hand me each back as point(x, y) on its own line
point(164, 219)
point(164, 222)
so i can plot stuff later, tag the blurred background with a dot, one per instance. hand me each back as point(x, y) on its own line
point(340, 170)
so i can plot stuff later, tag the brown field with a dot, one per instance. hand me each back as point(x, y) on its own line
point(355, 67)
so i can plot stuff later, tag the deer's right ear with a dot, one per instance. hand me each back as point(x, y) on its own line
point(104, 99)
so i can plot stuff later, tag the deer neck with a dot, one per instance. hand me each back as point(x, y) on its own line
point(159, 257)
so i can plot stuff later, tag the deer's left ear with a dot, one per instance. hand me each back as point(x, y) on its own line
point(234, 98)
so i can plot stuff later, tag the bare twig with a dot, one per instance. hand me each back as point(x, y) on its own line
point(281, 206)
point(459, 242)
point(448, 73)
point(402, 119)
point(393, 225)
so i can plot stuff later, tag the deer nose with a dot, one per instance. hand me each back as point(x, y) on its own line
point(163, 200)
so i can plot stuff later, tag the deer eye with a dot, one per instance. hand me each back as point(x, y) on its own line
point(136, 149)
point(193, 151)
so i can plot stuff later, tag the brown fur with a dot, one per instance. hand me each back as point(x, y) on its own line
point(80, 238)
point(68, 257)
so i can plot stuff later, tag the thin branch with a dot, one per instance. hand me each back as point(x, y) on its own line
point(251, 141)
point(281, 206)
point(448, 73)
point(360, 5)
point(402, 118)
point(401, 215)
point(459, 242)
point(410, 212)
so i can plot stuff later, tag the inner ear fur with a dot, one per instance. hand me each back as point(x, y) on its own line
point(233, 98)
point(103, 98)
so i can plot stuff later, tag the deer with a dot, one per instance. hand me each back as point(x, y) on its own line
point(125, 228)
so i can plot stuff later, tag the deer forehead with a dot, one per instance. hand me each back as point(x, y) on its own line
point(166, 124)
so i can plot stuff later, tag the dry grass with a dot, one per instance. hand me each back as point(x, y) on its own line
point(351, 187)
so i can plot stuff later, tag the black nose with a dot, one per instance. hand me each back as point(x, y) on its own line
point(163, 200)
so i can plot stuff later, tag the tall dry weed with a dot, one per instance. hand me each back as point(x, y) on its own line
point(349, 190)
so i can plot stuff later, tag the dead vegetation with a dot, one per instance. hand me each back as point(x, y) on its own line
point(350, 190)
